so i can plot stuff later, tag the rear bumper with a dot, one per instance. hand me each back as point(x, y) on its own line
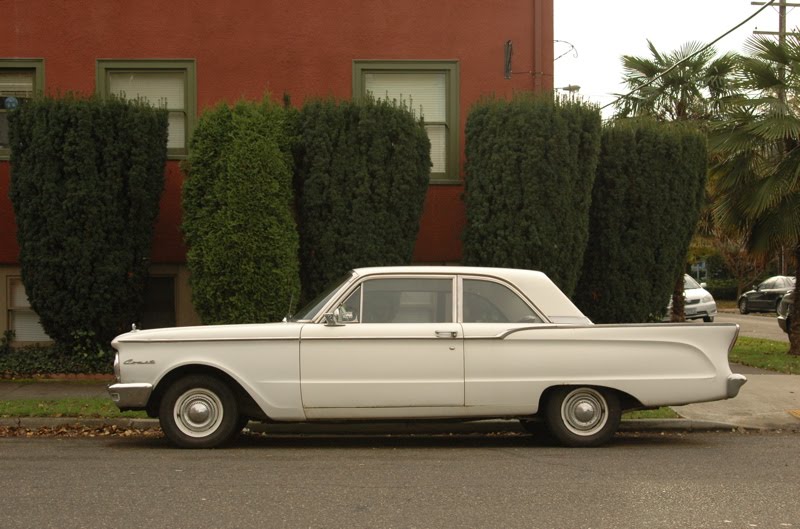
point(735, 382)
point(782, 324)
point(130, 396)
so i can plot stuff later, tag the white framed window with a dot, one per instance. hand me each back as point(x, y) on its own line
point(168, 84)
point(21, 317)
point(429, 89)
point(20, 81)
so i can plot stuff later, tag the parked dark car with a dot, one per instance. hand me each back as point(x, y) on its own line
point(785, 312)
point(767, 296)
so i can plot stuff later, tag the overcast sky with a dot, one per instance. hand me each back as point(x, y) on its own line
point(604, 30)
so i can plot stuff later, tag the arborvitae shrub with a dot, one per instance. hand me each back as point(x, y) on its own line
point(363, 172)
point(86, 179)
point(529, 174)
point(645, 204)
point(238, 221)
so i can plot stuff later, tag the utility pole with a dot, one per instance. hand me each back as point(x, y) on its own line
point(781, 33)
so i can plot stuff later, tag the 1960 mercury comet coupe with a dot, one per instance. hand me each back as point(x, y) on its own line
point(422, 343)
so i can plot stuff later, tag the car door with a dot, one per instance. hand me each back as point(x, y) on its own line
point(392, 342)
point(761, 298)
point(497, 372)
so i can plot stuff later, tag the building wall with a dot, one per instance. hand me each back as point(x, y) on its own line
point(244, 48)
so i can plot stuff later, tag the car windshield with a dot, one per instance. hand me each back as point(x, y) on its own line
point(689, 282)
point(311, 309)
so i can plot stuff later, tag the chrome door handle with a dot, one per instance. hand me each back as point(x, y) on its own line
point(446, 334)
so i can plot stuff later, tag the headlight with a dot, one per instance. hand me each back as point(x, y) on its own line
point(707, 299)
point(117, 373)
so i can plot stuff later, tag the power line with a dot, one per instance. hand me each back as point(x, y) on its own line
point(692, 56)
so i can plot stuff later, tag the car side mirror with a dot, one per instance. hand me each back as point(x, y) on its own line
point(703, 285)
point(330, 320)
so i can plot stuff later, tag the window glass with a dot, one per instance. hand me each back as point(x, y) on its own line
point(160, 89)
point(169, 84)
point(689, 282)
point(425, 95)
point(429, 89)
point(490, 302)
point(314, 306)
point(16, 88)
point(769, 283)
point(406, 300)
point(350, 310)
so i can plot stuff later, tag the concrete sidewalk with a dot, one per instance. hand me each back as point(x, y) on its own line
point(768, 401)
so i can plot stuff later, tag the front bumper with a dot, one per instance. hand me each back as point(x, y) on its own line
point(700, 310)
point(735, 382)
point(130, 396)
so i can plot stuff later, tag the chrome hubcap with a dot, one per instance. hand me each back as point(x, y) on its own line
point(198, 412)
point(584, 411)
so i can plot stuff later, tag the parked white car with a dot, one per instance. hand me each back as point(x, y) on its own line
point(422, 343)
point(698, 304)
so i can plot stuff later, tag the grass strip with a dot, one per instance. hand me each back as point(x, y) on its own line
point(67, 407)
point(765, 354)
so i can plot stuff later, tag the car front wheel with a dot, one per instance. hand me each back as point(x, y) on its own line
point(743, 306)
point(199, 411)
point(583, 416)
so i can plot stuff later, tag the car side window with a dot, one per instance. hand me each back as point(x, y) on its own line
point(490, 302)
point(765, 285)
point(399, 300)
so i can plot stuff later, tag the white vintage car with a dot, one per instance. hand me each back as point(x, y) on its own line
point(427, 342)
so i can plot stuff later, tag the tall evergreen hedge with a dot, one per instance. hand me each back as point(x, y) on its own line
point(529, 174)
point(645, 204)
point(363, 172)
point(238, 223)
point(86, 178)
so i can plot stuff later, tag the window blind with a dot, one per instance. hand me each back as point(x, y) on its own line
point(26, 327)
point(16, 83)
point(424, 93)
point(19, 298)
point(22, 320)
point(160, 89)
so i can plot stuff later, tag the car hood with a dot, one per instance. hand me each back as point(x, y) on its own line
point(696, 293)
point(250, 331)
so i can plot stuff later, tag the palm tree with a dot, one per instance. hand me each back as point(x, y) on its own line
point(758, 148)
point(688, 84)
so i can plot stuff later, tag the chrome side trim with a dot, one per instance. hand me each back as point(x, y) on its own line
point(175, 340)
point(127, 396)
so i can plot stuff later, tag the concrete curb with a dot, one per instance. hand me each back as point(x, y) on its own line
point(386, 428)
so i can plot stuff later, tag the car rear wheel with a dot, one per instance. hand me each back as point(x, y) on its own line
point(743, 306)
point(199, 411)
point(582, 416)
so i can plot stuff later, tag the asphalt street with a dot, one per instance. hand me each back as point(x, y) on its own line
point(754, 325)
point(708, 480)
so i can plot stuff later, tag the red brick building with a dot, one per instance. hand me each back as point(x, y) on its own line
point(191, 54)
